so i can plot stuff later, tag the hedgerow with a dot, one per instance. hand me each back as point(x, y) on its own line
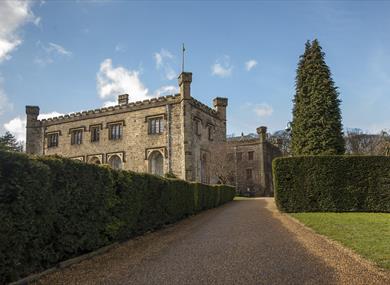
point(52, 209)
point(332, 183)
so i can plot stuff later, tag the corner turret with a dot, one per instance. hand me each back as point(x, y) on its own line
point(34, 134)
point(185, 79)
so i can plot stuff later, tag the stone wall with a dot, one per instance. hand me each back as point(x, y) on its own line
point(192, 133)
point(135, 145)
point(260, 165)
point(181, 148)
point(208, 128)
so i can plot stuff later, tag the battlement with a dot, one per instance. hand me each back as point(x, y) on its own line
point(132, 106)
point(32, 110)
point(204, 107)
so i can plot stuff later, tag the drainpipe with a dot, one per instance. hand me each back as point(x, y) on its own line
point(168, 108)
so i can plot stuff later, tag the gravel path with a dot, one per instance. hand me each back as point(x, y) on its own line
point(243, 242)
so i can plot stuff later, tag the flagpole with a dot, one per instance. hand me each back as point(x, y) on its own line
point(182, 62)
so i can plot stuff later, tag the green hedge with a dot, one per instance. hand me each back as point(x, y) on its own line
point(332, 183)
point(52, 209)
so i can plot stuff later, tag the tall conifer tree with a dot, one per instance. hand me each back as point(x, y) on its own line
point(8, 142)
point(316, 127)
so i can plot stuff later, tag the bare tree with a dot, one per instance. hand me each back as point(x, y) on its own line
point(282, 139)
point(222, 163)
point(359, 142)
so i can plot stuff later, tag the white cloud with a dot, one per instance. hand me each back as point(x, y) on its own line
point(14, 14)
point(263, 110)
point(164, 61)
point(161, 56)
point(250, 64)
point(109, 103)
point(50, 51)
point(52, 47)
point(112, 81)
point(5, 105)
point(222, 67)
point(17, 126)
point(120, 48)
point(166, 90)
point(43, 61)
point(49, 115)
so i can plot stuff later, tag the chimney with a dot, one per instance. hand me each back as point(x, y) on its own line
point(123, 99)
point(185, 79)
point(262, 131)
point(220, 105)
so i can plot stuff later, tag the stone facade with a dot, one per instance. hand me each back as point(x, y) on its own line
point(171, 134)
point(174, 134)
point(252, 158)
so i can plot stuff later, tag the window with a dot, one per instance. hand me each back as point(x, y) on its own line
point(198, 127)
point(52, 140)
point(156, 125)
point(239, 156)
point(95, 160)
point(95, 134)
point(76, 137)
point(249, 174)
point(156, 163)
point(250, 155)
point(115, 131)
point(115, 162)
point(211, 133)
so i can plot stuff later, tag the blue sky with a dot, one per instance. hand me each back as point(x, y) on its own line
point(69, 56)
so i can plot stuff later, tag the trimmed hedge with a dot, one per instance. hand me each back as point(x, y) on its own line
point(332, 183)
point(52, 209)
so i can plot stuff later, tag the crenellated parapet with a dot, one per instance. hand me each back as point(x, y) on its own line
point(113, 110)
point(199, 105)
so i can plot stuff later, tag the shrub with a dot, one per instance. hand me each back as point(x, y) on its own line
point(332, 183)
point(52, 208)
point(26, 216)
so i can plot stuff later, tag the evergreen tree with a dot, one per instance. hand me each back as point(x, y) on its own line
point(316, 127)
point(9, 142)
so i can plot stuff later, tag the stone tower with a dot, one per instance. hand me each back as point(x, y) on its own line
point(220, 105)
point(185, 79)
point(34, 132)
point(264, 167)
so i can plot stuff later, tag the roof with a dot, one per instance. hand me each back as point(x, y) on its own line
point(243, 138)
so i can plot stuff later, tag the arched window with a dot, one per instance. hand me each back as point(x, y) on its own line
point(95, 160)
point(115, 162)
point(156, 163)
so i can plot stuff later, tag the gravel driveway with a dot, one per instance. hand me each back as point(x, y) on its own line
point(243, 242)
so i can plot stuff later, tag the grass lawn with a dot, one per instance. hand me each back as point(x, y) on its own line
point(368, 234)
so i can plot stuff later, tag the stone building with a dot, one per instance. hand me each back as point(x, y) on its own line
point(174, 134)
point(171, 134)
point(251, 159)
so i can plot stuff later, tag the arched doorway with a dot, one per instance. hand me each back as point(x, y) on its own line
point(115, 162)
point(95, 160)
point(156, 163)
